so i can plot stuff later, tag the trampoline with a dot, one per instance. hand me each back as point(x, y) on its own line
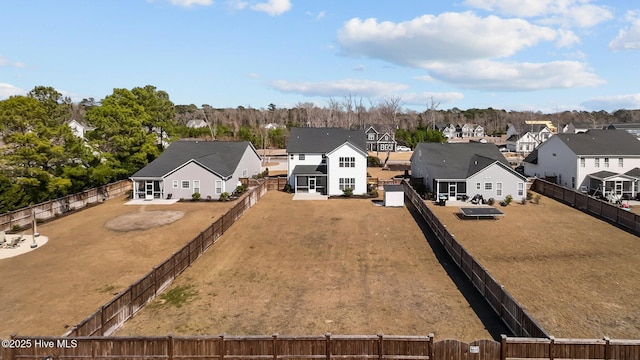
point(481, 212)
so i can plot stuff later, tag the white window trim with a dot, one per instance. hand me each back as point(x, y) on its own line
point(187, 182)
point(520, 189)
point(498, 189)
point(196, 187)
point(176, 184)
point(490, 186)
point(218, 189)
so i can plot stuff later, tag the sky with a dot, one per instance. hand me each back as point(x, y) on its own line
point(517, 55)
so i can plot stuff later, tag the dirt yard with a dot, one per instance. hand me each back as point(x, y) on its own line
point(84, 263)
point(578, 276)
point(310, 267)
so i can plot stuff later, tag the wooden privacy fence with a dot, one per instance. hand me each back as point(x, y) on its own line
point(53, 208)
point(111, 316)
point(510, 311)
point(590, 205)
point(381, 347)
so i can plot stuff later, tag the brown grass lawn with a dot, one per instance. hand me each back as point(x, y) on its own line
point(578, 276)
point(310, 267)
point(84, 264)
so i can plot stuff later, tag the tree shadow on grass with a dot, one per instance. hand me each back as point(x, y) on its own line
point(491, 321)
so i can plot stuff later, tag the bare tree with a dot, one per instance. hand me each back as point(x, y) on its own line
point(432, 107)
point(391, 108)
point(347, 104)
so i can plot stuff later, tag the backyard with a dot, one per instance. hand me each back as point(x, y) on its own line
point(577, 275)
point(92, 255)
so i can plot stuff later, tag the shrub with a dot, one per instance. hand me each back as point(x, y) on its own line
point(373, 192)
point(195, 196)
point(490, 201)
point(347, 192)
point(508, 199)
point(373, 161)
point(536, 199)
point(225, 196)
point(265, 173)
point(239, 189)
point(287, 188)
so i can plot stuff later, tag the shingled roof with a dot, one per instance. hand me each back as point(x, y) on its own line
point(220, 157)
point(458, 160)
point(323, 140)
point(601, 142)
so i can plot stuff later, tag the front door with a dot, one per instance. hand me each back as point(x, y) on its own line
point(148, 190)
point(312, 184)
point(452, 191)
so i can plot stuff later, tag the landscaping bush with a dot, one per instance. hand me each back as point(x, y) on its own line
point(536, 199)
point(373, 161)
point(225, 196)
point(347, 192)
point(287, 188)
point(373, 192)
point(195, 196)
point(491, 201)
point(240, 189)
point(508, 199)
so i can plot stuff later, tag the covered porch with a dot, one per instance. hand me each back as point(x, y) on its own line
point(450, 189)
point(310, 179)
point(148, 189)
point(613, 186)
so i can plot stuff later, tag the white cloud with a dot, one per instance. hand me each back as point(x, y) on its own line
point(501, 76)
point(7, 90)
point(321, 15)
point(628, 38)
point(422, 99)
point(566, 38)
point(453, 37)
point(273, 7)
point(580, 13)
point(345, 87)
point(616, 102)
point(4, 62)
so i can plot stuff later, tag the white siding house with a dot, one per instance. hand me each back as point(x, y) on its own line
point(209, 168)
point(327, 160)
point(595, 160)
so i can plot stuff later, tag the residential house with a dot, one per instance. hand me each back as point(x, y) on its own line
point(525, 138)
point(631, 128)
point(327, 160)
point(381, 138)
point(575, 127)
point(596, 161)
point(79, 128)
point(197, 123)
point(209, 168)
point(472, 130)
point(448, 130)
point(456, 170)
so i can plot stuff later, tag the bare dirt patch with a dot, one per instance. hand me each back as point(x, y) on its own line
point(84, 264)
point(577, 275)
point(310, 267)
point(143, 220)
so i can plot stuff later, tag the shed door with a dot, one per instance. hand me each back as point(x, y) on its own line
point(148, 190)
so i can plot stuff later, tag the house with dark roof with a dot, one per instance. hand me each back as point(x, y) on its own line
point(456, 170)
point(524, 138)
point(209, 168)
point(327, 160)
point(381, 138)
point(631, 128)
point(605, 162)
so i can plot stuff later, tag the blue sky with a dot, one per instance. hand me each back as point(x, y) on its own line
point(526, 55)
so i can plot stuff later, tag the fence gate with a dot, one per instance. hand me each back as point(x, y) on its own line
point(458, 350)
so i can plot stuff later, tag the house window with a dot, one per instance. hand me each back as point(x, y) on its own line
point(620, 162)
point(499, 189)
point(520, 189)
point(597, 162)
point(488, 186)
point(175, 184)
point(301, 157)
point(478, 186)
point(347, 161)
point(371, 136)
point(218, 186)
point(606, 162)
point(196, 186)
point(582, 162)
point(185, 184)
point(347, 183)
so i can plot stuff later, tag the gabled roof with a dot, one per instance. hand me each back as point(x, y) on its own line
point(324, 140)
point(220, 157)
point(381, 128)
point(458, 160)
point(635, 172)
point(622, 126)
point(601, 142)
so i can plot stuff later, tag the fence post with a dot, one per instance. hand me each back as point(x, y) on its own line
point(380, 346)
point(607, 348)
point(102, 320)
point(221, 347)
point(327, 345)
point(552, 347)
point(503, 347)
point(431, 351)
point(275, 346)
point(170, 346)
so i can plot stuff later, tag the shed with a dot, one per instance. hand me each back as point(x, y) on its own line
point(393, 195)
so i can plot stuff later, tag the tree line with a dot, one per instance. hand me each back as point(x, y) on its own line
point(43, 159)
